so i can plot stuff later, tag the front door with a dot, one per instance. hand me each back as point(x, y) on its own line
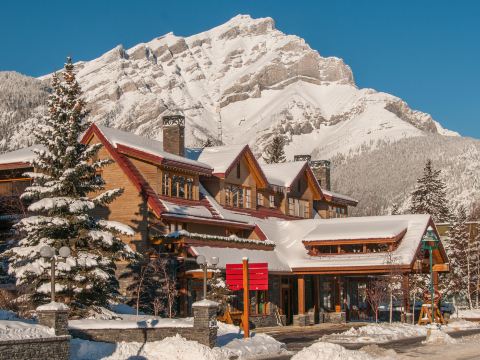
point(286, 304)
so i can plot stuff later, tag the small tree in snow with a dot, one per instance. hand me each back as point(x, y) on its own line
point(274, 152)
point(376, 294)
point(394, 281)
point(64, 191)
point(153, 285)
point(429, 196)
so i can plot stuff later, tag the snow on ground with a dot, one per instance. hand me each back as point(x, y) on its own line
point(377, 333)
point(130, 322)
point(17, 330)
point(167, 349)
point(438, 336)
point(467, 314)
point(230, 343)
point(325, 350)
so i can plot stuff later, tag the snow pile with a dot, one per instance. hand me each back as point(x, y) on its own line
point(17, 330)
point(467, 314)
point(377, 333)
point(461, 324)
point(119, 308)
point(52, 306)
point(436, 336)
point(169, 349)
point(323, 350)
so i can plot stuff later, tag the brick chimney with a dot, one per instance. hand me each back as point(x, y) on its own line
point(174, 134)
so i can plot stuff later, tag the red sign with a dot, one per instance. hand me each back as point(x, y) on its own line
point(257, 274)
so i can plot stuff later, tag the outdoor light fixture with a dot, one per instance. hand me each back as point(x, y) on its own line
point(202, 261)
point(48, 252)
point(430, 242)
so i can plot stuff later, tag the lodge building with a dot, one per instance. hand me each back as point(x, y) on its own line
point(220, 201)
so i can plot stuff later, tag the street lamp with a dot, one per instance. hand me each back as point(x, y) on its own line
point(430, 242)
point(48, 252)
point(202, 261)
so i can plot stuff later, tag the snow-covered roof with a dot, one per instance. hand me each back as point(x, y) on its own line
point(356, 230)
point(338, 195)
point(235, 256)
point(283, 174)
point(153, 147)
point(190, 210)
point(288, 236)
point(220, 157)
point(22, 155)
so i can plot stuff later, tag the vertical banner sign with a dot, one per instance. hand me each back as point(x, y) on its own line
point(246, 299)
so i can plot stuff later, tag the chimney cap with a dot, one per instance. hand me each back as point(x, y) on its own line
point(173, 120)
point(320, 163)
point(305, 157)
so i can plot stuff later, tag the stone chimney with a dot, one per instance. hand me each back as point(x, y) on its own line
point(174, 134)
point(321, 169)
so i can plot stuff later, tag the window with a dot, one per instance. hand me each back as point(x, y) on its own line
point(178, 186)
point(272, 201)
point(238, 170)
point(297, 207)
point(248, 198)
point(299, 185)
point(236, 196)
point(259, 199)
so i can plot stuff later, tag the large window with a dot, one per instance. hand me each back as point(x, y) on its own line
point(178, 186)
point(300, 208)
point(237, 196)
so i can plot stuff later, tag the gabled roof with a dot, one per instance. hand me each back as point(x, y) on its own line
point(288, 236)
point(148, 149)
point(223, 158)
point(331, 196)
point(285, 174)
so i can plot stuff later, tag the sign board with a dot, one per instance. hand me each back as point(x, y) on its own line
point(257, 273)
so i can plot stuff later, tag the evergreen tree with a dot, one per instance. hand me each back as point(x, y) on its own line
point(429, 196)
point(395, 210)
point(274, 152)
point(218, 291)
point(456, 282)
point(64, 191)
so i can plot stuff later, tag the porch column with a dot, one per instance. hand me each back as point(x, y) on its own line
point(338, 301)
point(406, 291)
point(301, 294)
point(316, 288)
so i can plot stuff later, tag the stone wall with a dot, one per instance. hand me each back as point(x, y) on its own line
point(54, 348)
point(145, 334)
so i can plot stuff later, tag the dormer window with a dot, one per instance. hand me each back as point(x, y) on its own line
point(176, 185)
point(259, 199)
point(299, 185)
point(238, 170)
point(272, 201)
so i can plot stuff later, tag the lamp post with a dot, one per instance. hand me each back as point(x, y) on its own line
point(48, 252)
point(430, 242)
point(202, 261)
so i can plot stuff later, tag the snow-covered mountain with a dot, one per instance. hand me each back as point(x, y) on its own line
point(248, 81)
point(255, 81)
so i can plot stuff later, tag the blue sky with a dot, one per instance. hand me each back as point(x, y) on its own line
point(426, 52)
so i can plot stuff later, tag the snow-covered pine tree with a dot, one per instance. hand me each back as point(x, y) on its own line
point(64, 191)
point(274, 152)
point(456, 282)
point(395, 210)
point(218, 291)
point(429, 196)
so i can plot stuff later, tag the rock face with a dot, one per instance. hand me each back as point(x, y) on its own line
point(245, 77)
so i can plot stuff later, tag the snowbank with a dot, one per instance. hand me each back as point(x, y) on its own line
point(377, 333)
point(170, 348)
point(323, 350)
point(438, 336)
point(17, 330)
point(467, 314)
point(461, 324)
